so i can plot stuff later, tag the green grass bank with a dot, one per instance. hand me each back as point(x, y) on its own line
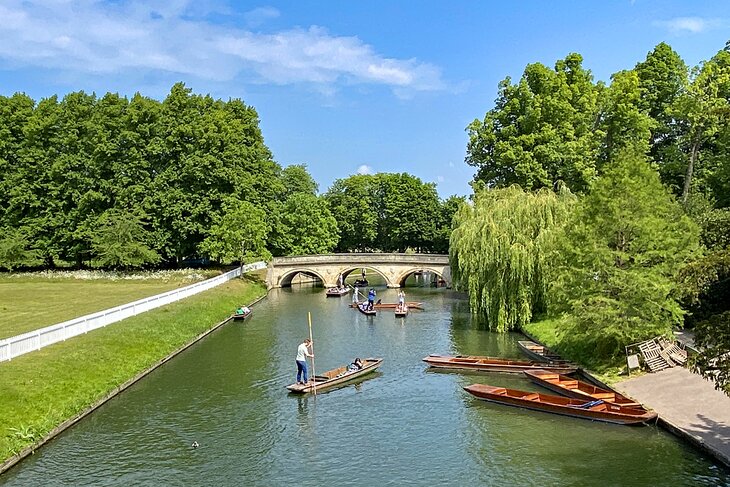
point(42, 389)
point(547, 332)
point(33, 300)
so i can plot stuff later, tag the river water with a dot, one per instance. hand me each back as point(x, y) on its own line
point(404, 425)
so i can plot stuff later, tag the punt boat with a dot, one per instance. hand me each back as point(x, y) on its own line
point(410, 304)
point(239, 315)
point(336, 377)
point(401, 311)
point(596, 410)
point(538, 352)
point(363, 307)
point(336, 292)
point(494, 364)
point(567, 386)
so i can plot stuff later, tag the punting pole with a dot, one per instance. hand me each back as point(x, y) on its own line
point(314, 374)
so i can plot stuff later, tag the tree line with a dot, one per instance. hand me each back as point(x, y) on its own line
point(605, 207)
point(117, 182)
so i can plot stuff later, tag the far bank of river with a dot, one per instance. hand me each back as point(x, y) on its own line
point(405, 425)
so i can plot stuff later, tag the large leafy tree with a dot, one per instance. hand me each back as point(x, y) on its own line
point(498, 252)
point(663, 77)
point(704, 109)
point(619, 258)
point(304, 226)
point(352, 203)
point(541, 129)
point(118, 241)
point(238, 234)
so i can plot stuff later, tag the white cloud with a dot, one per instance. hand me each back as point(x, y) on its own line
point(364, 169)
point(440, 179)
point(136, 36)
point(259, 16)
point(694, 25)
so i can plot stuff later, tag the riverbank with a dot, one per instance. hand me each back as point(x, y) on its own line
point(688, 405)
point(44, 389)
point(32, 300)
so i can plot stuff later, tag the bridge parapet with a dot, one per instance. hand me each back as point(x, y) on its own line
point(393, 267)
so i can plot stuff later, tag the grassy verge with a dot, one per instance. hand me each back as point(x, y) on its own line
point(547, 332)
point(40, 390)
point(32, 301)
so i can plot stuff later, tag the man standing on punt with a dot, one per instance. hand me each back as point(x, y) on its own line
point(302, 354)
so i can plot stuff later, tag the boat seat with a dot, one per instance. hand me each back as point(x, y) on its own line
point(531, 397)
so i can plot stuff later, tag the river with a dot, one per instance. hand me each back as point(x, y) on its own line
point(404, 425)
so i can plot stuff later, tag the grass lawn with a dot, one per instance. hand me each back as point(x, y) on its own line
point(42, 389)
point(546, 332)
point(32, 301)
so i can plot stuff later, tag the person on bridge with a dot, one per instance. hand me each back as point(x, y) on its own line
point(302, 354)
point(371, 298)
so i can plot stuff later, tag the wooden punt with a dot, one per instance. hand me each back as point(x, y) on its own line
point(336, 377)
point(241, 316)
point(567, 386)
point(410, 304)
point(401, 312)
point(363, 307)
point(336, 292)
point(578, 408)
point(494, 364)
point(538, 352)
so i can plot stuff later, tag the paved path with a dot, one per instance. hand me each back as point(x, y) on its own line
point(689, 404)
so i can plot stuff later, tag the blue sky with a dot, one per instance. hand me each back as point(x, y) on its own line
point(341, 86)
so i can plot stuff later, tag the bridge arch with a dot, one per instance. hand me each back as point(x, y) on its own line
point(286, 279)
point(401, 279)
point(393, 268)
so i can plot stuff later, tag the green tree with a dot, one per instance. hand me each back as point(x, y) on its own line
point(618, 261)
point(296, 179)
point(498, 252)
point(118, 242)
point(352, 203)
point(540, 131)
point(447, 211)
point(304, 226)
point(703, 109)
point(621, 123)
point(16, 250)
point(663, 77)
point(239, 234)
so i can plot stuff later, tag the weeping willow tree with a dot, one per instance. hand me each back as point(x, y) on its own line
point(498, 251)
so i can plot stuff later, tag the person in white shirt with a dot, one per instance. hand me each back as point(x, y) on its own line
point(302, 354)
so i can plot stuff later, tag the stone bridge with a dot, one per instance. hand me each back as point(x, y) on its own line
point(394, 268)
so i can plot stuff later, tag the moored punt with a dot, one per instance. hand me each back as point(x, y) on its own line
point(241, 316)
point(567, 386)
point(410, 304)
point(337, 291)
point(401, 311)
point(494, 364)
point(596, 410)
point(363, 307)
point(336, 376)
point(538, 352)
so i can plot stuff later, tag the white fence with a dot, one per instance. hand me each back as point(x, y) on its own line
point(37, 339)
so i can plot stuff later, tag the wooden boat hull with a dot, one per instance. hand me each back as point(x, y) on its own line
point(494, 364)
point(577, 408)
point(409, 304)
point(537, 352)
point(368, 312)
point(237, 317)
point(567, 386)
point(335, 377)
point(336, 293)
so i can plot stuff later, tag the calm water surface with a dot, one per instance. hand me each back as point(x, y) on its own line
point(404, 425)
